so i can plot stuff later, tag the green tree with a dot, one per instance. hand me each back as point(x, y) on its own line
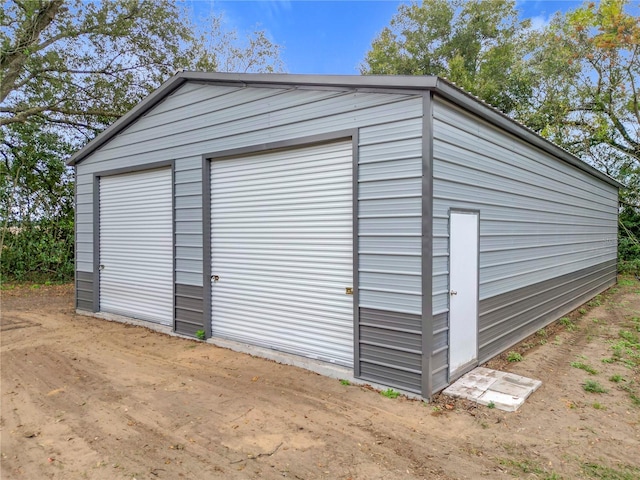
point(68, 69)
point(478, 44)
point(589, 60)
point(598, 118)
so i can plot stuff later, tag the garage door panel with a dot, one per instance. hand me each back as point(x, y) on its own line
point(282, 247)
point(136, 245)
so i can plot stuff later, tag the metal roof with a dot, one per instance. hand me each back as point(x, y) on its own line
point(387, 83)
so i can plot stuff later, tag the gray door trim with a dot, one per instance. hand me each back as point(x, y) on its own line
point(301, 142)
point(427, 243)
point(96, 224)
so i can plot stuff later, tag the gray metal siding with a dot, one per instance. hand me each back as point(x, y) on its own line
point(507, 318)
point(189, 221)
point(189, 315)
point(440, 352)
point(390, 348)
point(540, 219)
point(196, 120)
point(84, 291)
point(390, 252)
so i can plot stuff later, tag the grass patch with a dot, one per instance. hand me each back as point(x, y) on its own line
point(616, 378)
point(596, 302)
point(598, 406)
point(583, 366)
point(592, 386)
point(568, 324)
point(514, 357)
point(625, 282)
point(528, 467)
point(345, 382)
point(623, 472)
point(390, 393)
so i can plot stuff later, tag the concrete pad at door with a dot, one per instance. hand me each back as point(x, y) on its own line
point(506, 391)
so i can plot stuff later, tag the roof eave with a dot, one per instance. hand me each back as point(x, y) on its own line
point(496, 117)
point(140, 109)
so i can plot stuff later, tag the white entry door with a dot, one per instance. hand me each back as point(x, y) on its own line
point(463, 294)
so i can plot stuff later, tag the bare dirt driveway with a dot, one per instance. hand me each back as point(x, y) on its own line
point(87, 398)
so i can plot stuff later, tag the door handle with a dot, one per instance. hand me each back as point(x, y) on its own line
point(101, 267)
point(453, 292)
point(215, 278)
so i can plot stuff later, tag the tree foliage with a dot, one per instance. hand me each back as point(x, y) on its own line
point(477, 44)
point(599, 117)
point(68, 69)
point(576, 81)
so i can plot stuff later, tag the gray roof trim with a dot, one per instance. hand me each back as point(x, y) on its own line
point(375, 82)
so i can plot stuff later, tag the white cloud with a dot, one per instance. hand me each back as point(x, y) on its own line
point(540, 22)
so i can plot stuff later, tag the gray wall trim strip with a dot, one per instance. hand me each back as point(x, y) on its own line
point(307, 141)
point(206, 245)
point(427, 244)
point(355, 252)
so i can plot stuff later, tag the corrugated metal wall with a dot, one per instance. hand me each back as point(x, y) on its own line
point(540, 219)
point(390, 252)
point(197, 119)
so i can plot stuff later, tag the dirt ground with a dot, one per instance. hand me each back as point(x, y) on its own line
point(87, 398)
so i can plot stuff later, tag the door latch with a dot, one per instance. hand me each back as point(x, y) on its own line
point(101, 267)
point(215, 278)
point(348, 290)
point(453, 292)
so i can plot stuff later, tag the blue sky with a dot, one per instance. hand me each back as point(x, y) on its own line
point(330, 37)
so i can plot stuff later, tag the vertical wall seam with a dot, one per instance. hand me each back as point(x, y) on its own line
point(427, 243)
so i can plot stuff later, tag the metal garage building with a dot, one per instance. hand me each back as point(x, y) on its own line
point(396, 226)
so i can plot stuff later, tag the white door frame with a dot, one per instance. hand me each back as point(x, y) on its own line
point(464, 281)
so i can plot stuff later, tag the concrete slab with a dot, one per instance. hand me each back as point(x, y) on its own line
point(506, 391)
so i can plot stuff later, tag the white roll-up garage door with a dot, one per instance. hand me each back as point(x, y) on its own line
point(281, 249)
point(136, 245)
